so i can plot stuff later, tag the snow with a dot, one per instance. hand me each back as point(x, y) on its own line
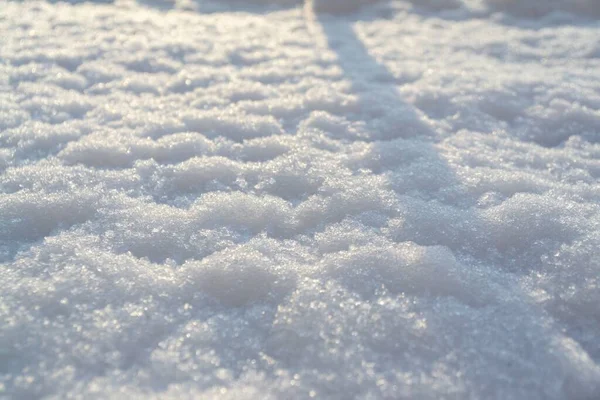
point(265, 199)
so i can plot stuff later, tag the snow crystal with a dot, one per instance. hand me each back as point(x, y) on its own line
point(269, 199)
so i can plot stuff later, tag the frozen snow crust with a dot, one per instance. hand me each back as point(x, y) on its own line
point(239, 201)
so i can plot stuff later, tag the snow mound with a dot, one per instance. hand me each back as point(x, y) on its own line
point(239, 201)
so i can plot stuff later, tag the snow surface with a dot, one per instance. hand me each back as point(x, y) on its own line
point(255, 200)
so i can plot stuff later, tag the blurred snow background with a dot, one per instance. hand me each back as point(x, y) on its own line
point(265, 199)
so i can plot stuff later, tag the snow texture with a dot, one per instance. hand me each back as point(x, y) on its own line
point(275, 200)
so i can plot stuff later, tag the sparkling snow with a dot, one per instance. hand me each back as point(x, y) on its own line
point(339, 199)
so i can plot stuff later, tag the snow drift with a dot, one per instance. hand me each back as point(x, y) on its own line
point(211, 200)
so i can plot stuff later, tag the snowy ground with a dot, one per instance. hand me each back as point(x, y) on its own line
point(233, 200)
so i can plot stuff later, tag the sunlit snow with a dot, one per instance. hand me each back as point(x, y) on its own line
point(277, 200)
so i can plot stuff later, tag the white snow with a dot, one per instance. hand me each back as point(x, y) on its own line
point(265, 199)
